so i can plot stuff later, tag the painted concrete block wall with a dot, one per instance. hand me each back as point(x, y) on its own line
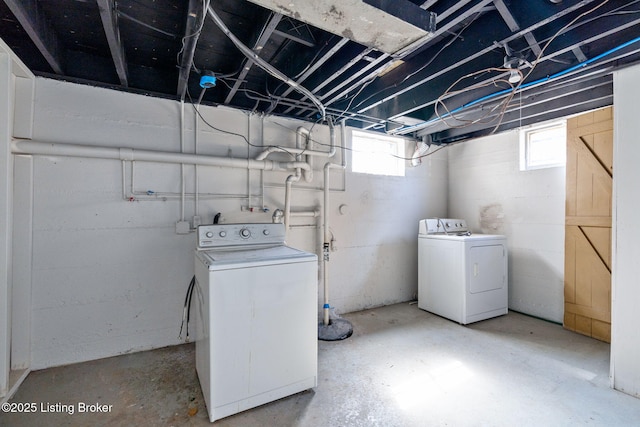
point(625, 334)
point(487, 189)
point(109, 275)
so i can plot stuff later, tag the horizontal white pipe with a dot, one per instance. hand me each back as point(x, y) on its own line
point(313, 214)
point(274, 148)
point(130, 154)
point(299, 150)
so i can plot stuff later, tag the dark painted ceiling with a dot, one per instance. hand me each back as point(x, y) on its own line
point(452, 86)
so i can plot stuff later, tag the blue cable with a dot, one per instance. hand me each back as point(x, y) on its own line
point(525, 85)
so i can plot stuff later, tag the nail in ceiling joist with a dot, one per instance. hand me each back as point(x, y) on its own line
point(110, 24)
point(195, 15)
point(267, 31)
point(35, 23)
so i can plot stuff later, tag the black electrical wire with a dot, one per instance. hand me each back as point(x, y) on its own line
point(186, 311)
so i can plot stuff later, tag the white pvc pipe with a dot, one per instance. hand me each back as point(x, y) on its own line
point(308, 175)
point(287, 198)
point(299, 150)
point(183, 179)
point(327, 233)
point(97, 152)
point(274, 148)
point(313, 214)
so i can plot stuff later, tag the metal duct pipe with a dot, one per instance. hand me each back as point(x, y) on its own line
point(130, 154)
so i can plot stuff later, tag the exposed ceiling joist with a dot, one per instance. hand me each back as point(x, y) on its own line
point(35, 23)
point(110, 25)
point(265, 35)
point(164, 39)
point(388, 26)
point(313, 68)
point(296, 31)
point(195, 17)
point(406, 105)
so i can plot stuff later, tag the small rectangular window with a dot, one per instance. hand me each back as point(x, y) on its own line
point(543, 146)
point(377, 154)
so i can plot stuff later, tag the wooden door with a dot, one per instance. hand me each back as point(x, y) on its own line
point(587, 278)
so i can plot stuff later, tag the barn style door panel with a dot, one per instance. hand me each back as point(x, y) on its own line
point(587, 289)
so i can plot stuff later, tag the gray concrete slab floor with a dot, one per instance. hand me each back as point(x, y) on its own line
point(402, 367)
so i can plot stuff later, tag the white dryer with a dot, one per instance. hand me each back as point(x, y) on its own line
point(256, 317)
point(461, 276)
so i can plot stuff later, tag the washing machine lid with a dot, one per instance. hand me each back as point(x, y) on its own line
point(246, 257)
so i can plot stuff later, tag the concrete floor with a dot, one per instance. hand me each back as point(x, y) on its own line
point(401, 367)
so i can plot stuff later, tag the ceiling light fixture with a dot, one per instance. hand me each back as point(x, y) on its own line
point(513, 63)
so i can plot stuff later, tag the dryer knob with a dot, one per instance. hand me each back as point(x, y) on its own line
point(223, 234)
point(245, 233)
point(265, 232)
point(209, 234)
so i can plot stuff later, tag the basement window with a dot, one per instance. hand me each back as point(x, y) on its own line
point(543, 146)
point(377, 154)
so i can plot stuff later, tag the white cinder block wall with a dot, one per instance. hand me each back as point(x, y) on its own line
point(487, 189)
point(109, 275)
point(625, 297)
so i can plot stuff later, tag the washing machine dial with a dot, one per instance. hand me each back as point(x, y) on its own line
point(209, 234)
point(265, 232)
point(245, 233)
point(222, 234)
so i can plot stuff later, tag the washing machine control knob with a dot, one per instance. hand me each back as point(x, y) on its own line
point(209, 234)
point(265, 232)
point(245, 233)
point(223, 234)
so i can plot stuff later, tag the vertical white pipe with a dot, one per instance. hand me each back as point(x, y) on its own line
point(195, 171)
point(124, 180)
point(327, 233)
point(182, 178)
point(287, 197)
point(248, 157)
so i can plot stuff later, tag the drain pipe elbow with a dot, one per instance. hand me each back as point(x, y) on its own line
point(265, 153)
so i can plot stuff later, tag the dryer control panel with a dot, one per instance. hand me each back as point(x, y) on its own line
point(219, 235)
point(442, 226)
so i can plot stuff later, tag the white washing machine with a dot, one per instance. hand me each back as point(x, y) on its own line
point(256, 317)
point(461, 276)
